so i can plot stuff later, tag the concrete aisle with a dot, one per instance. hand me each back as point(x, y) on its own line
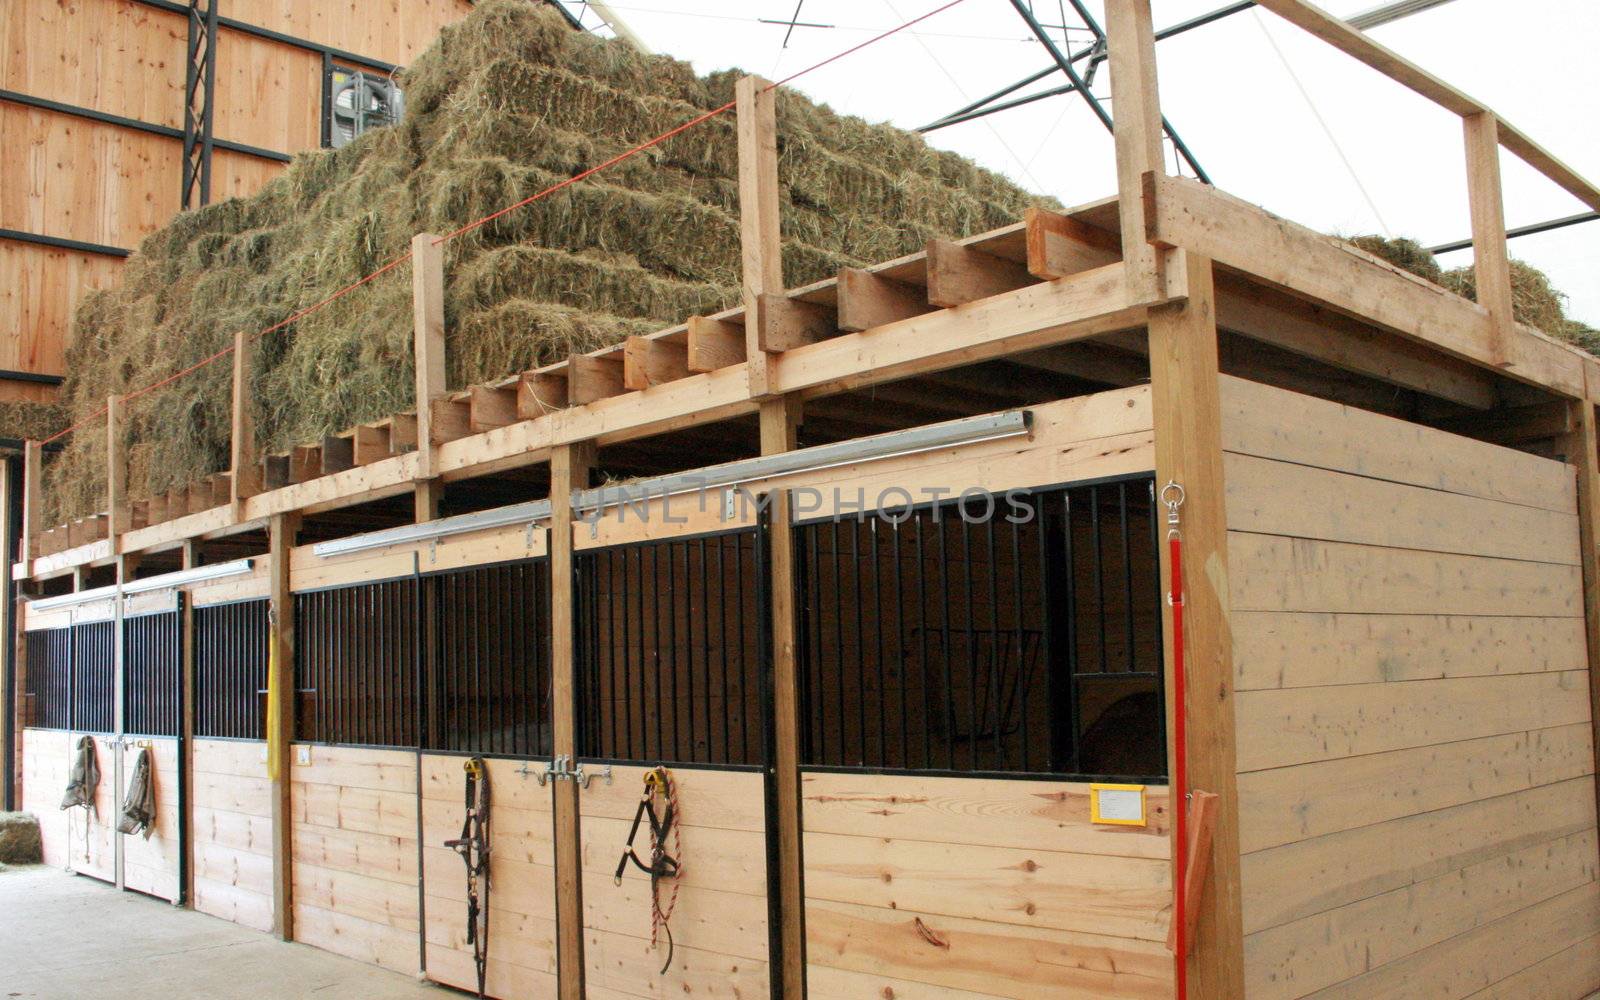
point(66, 937)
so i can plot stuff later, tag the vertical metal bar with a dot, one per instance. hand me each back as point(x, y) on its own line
point(1158, 640)
point(1127, 574)
point(838, 634)
point(817, 701)
point(859, 638)
point(672, 643)
point(995, 661)
point(1099, 575)
point(972, 639)
point(1021, 688)
point(652, 665)
point(1074, 685)
point(622, 584)
point(949, 686)
point(922, 635)
point(721, 604)
point(697, 653)
point(877, 607)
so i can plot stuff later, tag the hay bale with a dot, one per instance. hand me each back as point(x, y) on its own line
point(19, 839)
point(506, 102)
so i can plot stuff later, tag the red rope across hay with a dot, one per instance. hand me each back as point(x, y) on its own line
point(479, 223)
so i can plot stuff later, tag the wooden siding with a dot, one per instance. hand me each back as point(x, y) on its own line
point(392, 30)
point(1417, 815)
point(979, 887)
point(46, 762)
point(108, 55)
point(719, 926)
point(230, 822)
point(354, 821)
point(152, 866)
point(522, 898)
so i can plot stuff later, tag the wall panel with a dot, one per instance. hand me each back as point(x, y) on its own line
point(522, 909)
point(231, 823)
point(40, 288)
point(109, 55)
point(152, 866)
point(392, 30)
point(1417, 808)
point(46, 763)
point(975, 887)
point(354, 816)
point(268, 94)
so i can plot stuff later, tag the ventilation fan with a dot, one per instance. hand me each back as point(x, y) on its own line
point(359, 101)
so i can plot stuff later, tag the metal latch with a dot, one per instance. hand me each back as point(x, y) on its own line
point(562, 767)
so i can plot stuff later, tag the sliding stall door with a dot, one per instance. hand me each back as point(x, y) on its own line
point(671, 660)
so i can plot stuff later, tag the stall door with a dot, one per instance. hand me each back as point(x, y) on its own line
point(91, 833)
point(487, 679)
point(968, 681)
point(671, 670)
point(152, 657)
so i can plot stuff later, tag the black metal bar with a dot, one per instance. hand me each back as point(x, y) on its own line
point(1023, 665)
point(996, 661)
point(61, 243)
point(957, 119)
point(1529, 230)
point(276, 36)
point(983, 102)
point(134, 124)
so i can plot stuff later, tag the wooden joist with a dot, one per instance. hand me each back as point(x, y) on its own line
point(1059, 245)
point(305, 462)
point(541, 391)
point(338, 454)
point(403, 433)
point(592, 377)
point(450, 417)
point(370, 442)
point(959, 274)
point(714, 343)
point(650, 361)
point(787, 323)
point(489, 407)
point(868, 300)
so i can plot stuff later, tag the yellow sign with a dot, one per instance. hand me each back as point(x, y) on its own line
point(1117, 805)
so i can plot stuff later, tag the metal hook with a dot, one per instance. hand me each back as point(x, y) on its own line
point(1172, 497)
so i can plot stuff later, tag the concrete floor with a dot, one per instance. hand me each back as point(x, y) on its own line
point(67, 937)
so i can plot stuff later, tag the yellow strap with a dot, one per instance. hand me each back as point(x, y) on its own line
point(275, 748)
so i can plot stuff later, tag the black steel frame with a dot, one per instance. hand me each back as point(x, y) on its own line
point(938, 596)
point(61, 243)
point(230, 665)
point(135, 124)
point(356, 645)
point(655, 612)
point(198, 104)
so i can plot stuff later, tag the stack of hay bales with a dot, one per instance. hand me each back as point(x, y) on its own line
point(1534, 300)
point(505, 103)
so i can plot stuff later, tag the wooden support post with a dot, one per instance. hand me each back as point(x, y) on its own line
point(10, 665)
point(780, 418)
point(1132, 48)
point(32, 500)
point(569, 470)
point(1491, 265)
point(280, 718)
point(1185, 392)
point(1582, 448)
point(116, 470)
point(244, 461)
point(427, 300)
point(760, 243)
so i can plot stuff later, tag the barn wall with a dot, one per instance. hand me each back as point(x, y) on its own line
point(977, 887)
point(354, 831)
point(231, 823)
point(522, 897)
point(1417, 806)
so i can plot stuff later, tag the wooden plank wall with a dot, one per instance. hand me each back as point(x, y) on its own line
point(522, 900)
point(73, 178)
point(979, 887)
point(94, 853)
point(720, 923)
point(354, 820)
point(152, 866)
point(1417, 815)
point(46, 762)
point(230, 822)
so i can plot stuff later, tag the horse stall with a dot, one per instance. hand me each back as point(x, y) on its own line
point(122, 692)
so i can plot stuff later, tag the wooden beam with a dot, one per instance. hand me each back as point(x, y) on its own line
point(714, 343)
point(570, 467)
point(650, 361)
point(1186, 396)
point(370, 443)
point(32, 499)
point(787, 323)
point(338, 454)
point(540, 393)
point(868, 300)
point(489, 407)
point(1089, 362)
point(1316, 268)
point(275, 473)
point(959, 274)
point(243, 457)
point(427, 301)
point(305, 463)
point(449, 419)
point(760, 242)
point(780, 418)
point(1132, 48)
point(1582, 448)
point(281, 532)
point(592, 377)
point(1362, 46)
point(402, 433)
point(1491, 265)
point(1059, 245)
point(116, 466)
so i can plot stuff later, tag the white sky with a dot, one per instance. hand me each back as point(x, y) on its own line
point(1228, 94)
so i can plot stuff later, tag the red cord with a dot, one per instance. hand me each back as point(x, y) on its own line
point(479, 223)
point(1180, 775)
